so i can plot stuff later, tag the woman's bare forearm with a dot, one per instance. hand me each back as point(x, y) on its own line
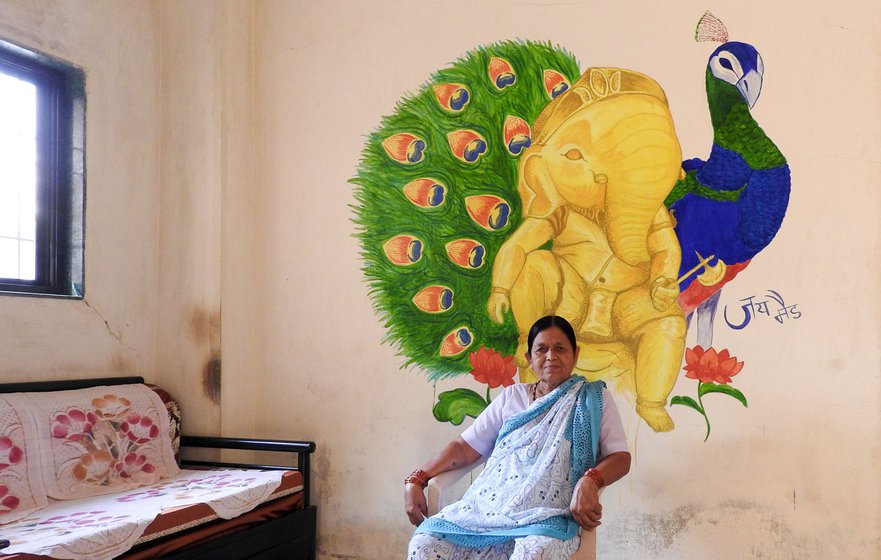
point(455, 455)
point(613, 467)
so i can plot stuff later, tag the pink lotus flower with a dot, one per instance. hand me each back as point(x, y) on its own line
point(708, 366)
point(75, 425)
point(94, 467)
point(132, 464)
point(8, 502)
point(111, 407)
point(139, 429)
point(9, 454)
point(492, 368)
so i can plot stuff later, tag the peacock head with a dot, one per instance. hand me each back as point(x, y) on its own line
point(739, 65)
point(606, 144)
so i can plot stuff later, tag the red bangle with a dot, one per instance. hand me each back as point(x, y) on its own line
point(418, 477)
point(595, 475)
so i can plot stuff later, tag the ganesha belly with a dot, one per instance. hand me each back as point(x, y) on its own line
point(596, 244)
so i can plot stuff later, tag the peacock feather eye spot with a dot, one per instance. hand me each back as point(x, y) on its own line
point(475, 256)
point(466, 253)
point(555, 83)
point(414, 250)
point(517, 135)
point(562, 87)
point(467, 145)
point(499, 216)
point(456, 342)
point(474, 149)
point(488, 211)
point(415, 151)
point(403, 250)
point(501, 73)
point(505, 80)
point(459, 99)
point(518, 144)
point(404, 147)
point(452, 97)
point(425, 192)
point(434, 299)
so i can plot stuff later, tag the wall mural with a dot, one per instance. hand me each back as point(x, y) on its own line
point(514, 185)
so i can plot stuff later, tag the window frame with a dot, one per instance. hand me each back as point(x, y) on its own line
point(60, 175)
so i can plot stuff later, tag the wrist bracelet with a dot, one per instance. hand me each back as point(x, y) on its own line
point(418, 477)
point(499, 290)
point(595, 475)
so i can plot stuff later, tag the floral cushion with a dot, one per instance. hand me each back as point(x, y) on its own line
point(99, 440)
point(21, 486)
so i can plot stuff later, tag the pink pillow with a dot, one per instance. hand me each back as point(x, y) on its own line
point(21, 485)
point(100, 440)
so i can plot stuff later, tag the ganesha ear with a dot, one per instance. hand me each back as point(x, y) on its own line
point(537, 191)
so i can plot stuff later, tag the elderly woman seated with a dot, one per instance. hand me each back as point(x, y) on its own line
point(552, 445)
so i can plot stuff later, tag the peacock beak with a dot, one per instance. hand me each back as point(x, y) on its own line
point(750, 86)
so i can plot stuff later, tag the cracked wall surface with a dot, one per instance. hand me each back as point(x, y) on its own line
point(221, 136)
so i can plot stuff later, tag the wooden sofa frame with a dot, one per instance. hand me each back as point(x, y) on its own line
point(291, 536)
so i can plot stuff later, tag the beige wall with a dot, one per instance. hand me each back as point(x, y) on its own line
point(773, 481)
point(221, 136)
point(113, 330)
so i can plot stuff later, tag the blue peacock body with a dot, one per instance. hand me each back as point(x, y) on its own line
point(732, 205)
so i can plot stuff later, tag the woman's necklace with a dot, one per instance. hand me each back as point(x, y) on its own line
point(534, 389)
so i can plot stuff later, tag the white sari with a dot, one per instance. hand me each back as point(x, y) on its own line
point(527, 484)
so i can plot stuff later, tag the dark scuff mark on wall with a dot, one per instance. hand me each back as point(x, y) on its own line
point(205, 327)
point(120, 365)
point(205, 331)
point(211, 379)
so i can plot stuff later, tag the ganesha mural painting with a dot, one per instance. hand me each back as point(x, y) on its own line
point(515, 185)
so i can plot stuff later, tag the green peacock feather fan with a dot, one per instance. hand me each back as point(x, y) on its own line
point(437, 196)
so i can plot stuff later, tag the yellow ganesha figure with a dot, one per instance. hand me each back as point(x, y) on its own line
point(597, 245)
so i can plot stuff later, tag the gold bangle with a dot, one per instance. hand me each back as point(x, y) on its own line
point(499, 290)
point(418, 477)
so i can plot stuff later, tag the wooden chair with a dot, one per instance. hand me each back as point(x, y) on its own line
point(439, 495)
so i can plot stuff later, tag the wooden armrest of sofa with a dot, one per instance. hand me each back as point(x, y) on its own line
point(302, 449)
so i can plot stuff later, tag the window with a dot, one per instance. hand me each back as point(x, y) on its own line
point(42, 174)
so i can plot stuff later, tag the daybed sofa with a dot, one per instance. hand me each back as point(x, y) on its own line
point(89, 469)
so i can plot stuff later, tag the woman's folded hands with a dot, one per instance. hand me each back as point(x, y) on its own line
point(585, 505)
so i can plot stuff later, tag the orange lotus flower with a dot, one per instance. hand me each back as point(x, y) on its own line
point(708, 366)
point(492, 368)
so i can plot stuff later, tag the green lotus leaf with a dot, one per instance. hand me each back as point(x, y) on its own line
point(453, 406)
point(686, 401)
point(724, 389)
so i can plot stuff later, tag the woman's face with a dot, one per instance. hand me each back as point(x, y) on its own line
point(552, 357)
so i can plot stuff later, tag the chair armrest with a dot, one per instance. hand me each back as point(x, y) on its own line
point(441, 484)
point(302, 449)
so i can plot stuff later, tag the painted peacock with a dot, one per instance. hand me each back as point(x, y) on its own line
point(437, 197)
point(440, 193)
point(730, 206)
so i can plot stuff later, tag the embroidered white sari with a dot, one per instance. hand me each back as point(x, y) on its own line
point(527, 484)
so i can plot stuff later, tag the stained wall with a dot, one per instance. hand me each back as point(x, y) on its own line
point(789, 477)
point(221, 136)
